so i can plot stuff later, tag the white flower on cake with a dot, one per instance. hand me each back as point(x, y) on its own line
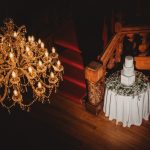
point(128, 73)
point(140, 85)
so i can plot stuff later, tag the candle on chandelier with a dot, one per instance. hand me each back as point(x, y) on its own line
point(46, 54)
point(13, 74)
point(39, 41)
point(32, 38)
point(42, 45)
point(52, 75)
point(30, 69)
point(11, 55)
point(40, 63)
point(53, 50)
point(39, 85)
point(15, 34)
point(27, 49)
point(15, 92)
point(58, 63)
point(29, 38)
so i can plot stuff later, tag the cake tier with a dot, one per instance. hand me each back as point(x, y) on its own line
point(128, 61)
point(127, 80)
point(128, 71)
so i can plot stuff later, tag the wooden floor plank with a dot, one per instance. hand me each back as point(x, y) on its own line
point(64, 124)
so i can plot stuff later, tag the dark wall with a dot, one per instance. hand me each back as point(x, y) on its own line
point(44, 17)
point(40, 17)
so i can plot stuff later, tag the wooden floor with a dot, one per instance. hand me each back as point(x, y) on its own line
point(66, 125)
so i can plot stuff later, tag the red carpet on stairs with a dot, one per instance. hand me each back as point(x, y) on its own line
point(73, 87)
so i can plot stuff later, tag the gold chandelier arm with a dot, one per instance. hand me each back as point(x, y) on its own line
point(8, 107)
point(46, 85)
point(6, 86)
point(23, 62)
point(5, 64)
point(4, 69)
point(39, 57)
point(27, 76)
point(18, 54)
point(27, 105)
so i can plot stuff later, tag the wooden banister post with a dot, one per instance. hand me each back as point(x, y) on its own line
point(118, 27)
point(94, 74)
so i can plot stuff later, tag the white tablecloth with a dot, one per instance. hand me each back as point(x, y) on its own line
point(127, 109)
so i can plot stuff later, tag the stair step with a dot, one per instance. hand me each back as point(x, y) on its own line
point(72, 91)
point(82, 84)
point(72, 58)
point(67, 45)
point(67, 37)
point(74, 74)
point(73, 64)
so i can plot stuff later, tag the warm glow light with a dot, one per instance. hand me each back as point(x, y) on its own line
point(42, 45)
point(13, 74)
point(40, 63)
point(27, 49)
point(15, 92)
point(32, 38)
point(53, 50)
point(30, 69)
point(39, 41)
point(39, 85)
point(58, 63)
point(11, 55)
point(29, 38)
point(46, 54)
point(15, 34)
point(52, 75)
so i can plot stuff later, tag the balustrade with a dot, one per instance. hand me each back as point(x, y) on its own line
point(133, 41)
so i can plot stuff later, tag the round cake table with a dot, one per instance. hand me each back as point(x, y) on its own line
point(128, 105)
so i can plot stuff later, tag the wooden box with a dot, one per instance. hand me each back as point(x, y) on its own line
point(94, 71)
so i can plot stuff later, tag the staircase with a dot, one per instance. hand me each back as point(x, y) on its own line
point(73, 87)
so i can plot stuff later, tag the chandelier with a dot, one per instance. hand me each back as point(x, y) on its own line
point(27, 68)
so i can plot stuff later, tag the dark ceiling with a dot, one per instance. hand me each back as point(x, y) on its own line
point(46, 15)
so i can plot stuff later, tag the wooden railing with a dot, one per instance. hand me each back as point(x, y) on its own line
point(115, 48)
point(137, 39)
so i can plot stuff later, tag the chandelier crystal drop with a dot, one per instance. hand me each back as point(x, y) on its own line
point(26, 68)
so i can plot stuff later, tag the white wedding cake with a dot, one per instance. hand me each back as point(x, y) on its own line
point(128, 73)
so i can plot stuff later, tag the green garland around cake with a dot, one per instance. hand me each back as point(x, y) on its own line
point(114, 83)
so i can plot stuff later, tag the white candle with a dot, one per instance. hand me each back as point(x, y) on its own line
point(15, 34)
point(15, 92)
point(42, 45)
point(30, 69)
point(39, 85)
point(32, 38)
point(52, 75)
point(39, 41)
point(29, 38)
point(46, 54)
point(53, 50)
point(11, 55)
point(58, 63)
point(13, 74)
point(27, 49)
point(40, 63)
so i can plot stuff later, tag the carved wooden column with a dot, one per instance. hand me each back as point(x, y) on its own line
point(94, 74)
